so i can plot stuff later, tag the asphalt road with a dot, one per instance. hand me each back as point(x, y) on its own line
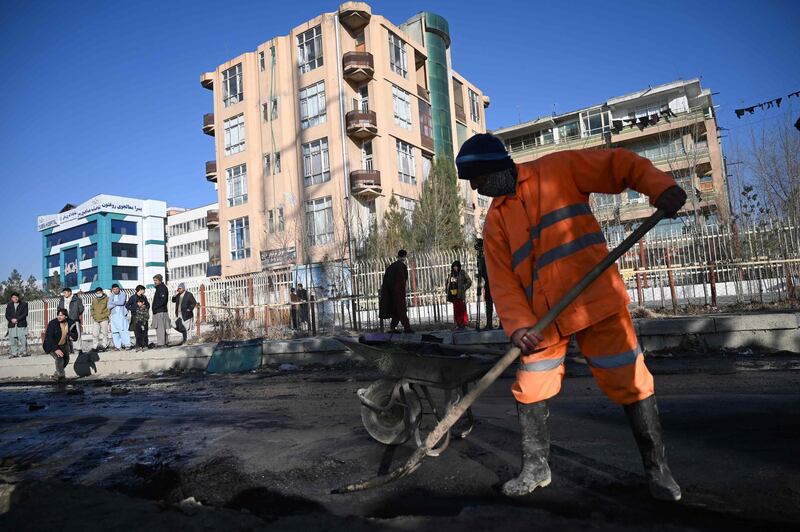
point(240, 452)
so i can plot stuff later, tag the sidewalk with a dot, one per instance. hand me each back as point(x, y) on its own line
point(761, 332)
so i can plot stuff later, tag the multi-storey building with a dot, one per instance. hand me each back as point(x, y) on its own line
point(188, 254)
point(673, 125)
point(107, 239)
point(316, 131)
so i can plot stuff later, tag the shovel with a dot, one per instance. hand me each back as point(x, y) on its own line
point(454, 413)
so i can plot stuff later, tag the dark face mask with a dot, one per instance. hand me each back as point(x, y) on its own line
point(499, 183)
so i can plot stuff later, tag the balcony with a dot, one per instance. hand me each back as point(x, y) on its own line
point(358, 66)
point(427, 142)
point(208, 124)
point(211, 171)
point(207, 80)
point(423, 93)
point(354, 15)
point(461, 116)
point(212, 219)
point(366, 183)
point(361, 125)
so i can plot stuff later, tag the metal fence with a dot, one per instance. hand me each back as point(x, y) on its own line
point(749, 262)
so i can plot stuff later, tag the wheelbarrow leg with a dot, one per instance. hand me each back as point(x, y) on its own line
point(445, 441)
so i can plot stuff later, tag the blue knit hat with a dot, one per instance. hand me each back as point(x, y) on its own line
point(482, 154)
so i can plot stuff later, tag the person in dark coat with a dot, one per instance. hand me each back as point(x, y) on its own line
point(294, 306)
point(392, 304)
point(184, 311)
point(303, 315)
point(58, 341)
point(17, 317)
point(160, 315)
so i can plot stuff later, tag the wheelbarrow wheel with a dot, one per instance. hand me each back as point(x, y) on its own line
point(399, 414)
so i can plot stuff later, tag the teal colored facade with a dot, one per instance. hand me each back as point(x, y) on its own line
point(437, 42)
point(84, 256)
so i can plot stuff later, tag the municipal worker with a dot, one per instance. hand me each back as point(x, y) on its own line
point(540, 239)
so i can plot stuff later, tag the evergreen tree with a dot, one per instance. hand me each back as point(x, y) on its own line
point(28, 291)
point(395, 230)
point(437, 218)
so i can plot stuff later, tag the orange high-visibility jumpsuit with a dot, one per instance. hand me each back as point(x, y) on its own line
point(541, 242)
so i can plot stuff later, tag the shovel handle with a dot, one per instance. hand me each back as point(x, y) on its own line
point(454, 413)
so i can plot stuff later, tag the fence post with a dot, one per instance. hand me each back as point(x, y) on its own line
point(639, 289)
point(251, 313)
point(712, 278)
point(313, 306)
point(203, 303)
point(671, 278)
point(44, 319)
point(787, 270)
point(643, 260)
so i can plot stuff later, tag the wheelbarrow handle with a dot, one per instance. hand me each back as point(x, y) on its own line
point(454, 413)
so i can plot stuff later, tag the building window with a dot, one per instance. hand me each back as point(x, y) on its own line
point(73, 233)
point(405, 163)
point(461, 134)
point(269, 110)
point(89, 275)
point(237, 185)
point(319, 221)
point(309, 49)
point(187, 227)
point(123, 250)
point(407, 205)
point(190, 248)
point(261, 64)
point(402, 107)
point(53, 261)
point(125, 273)
point(568, 131)
point(272, 163)
point(185, 272)
point(240, 238)
point(427, 164)
point(123, 227)
point(372, 215)
point(87, 253)
point(316, 167)
point(425, 126)
point(595, 123)
point(474, 106)
point(469, 226)
point(397, 55)
point(272, 56)
point(234, 134)
point(605, 200)
point(312, 105)
point(275, 220)
point(232, 87)
point(458, 100)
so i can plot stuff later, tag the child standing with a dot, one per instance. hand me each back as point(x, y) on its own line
point(140, 319)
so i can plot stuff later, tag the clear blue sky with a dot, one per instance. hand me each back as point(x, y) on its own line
point(103, 97)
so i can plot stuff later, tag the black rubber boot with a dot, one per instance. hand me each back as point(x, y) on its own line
point(643, 417)
point(535, 450)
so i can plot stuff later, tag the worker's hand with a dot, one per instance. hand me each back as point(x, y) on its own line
point(526, 339)
point(671, 200)
point(59, 353)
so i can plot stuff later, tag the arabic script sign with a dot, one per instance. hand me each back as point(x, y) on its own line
point(101, 203)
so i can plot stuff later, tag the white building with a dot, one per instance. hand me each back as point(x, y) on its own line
point(107, 239)
point(187, 243)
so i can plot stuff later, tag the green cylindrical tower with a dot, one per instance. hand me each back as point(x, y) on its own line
point(437, 41)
